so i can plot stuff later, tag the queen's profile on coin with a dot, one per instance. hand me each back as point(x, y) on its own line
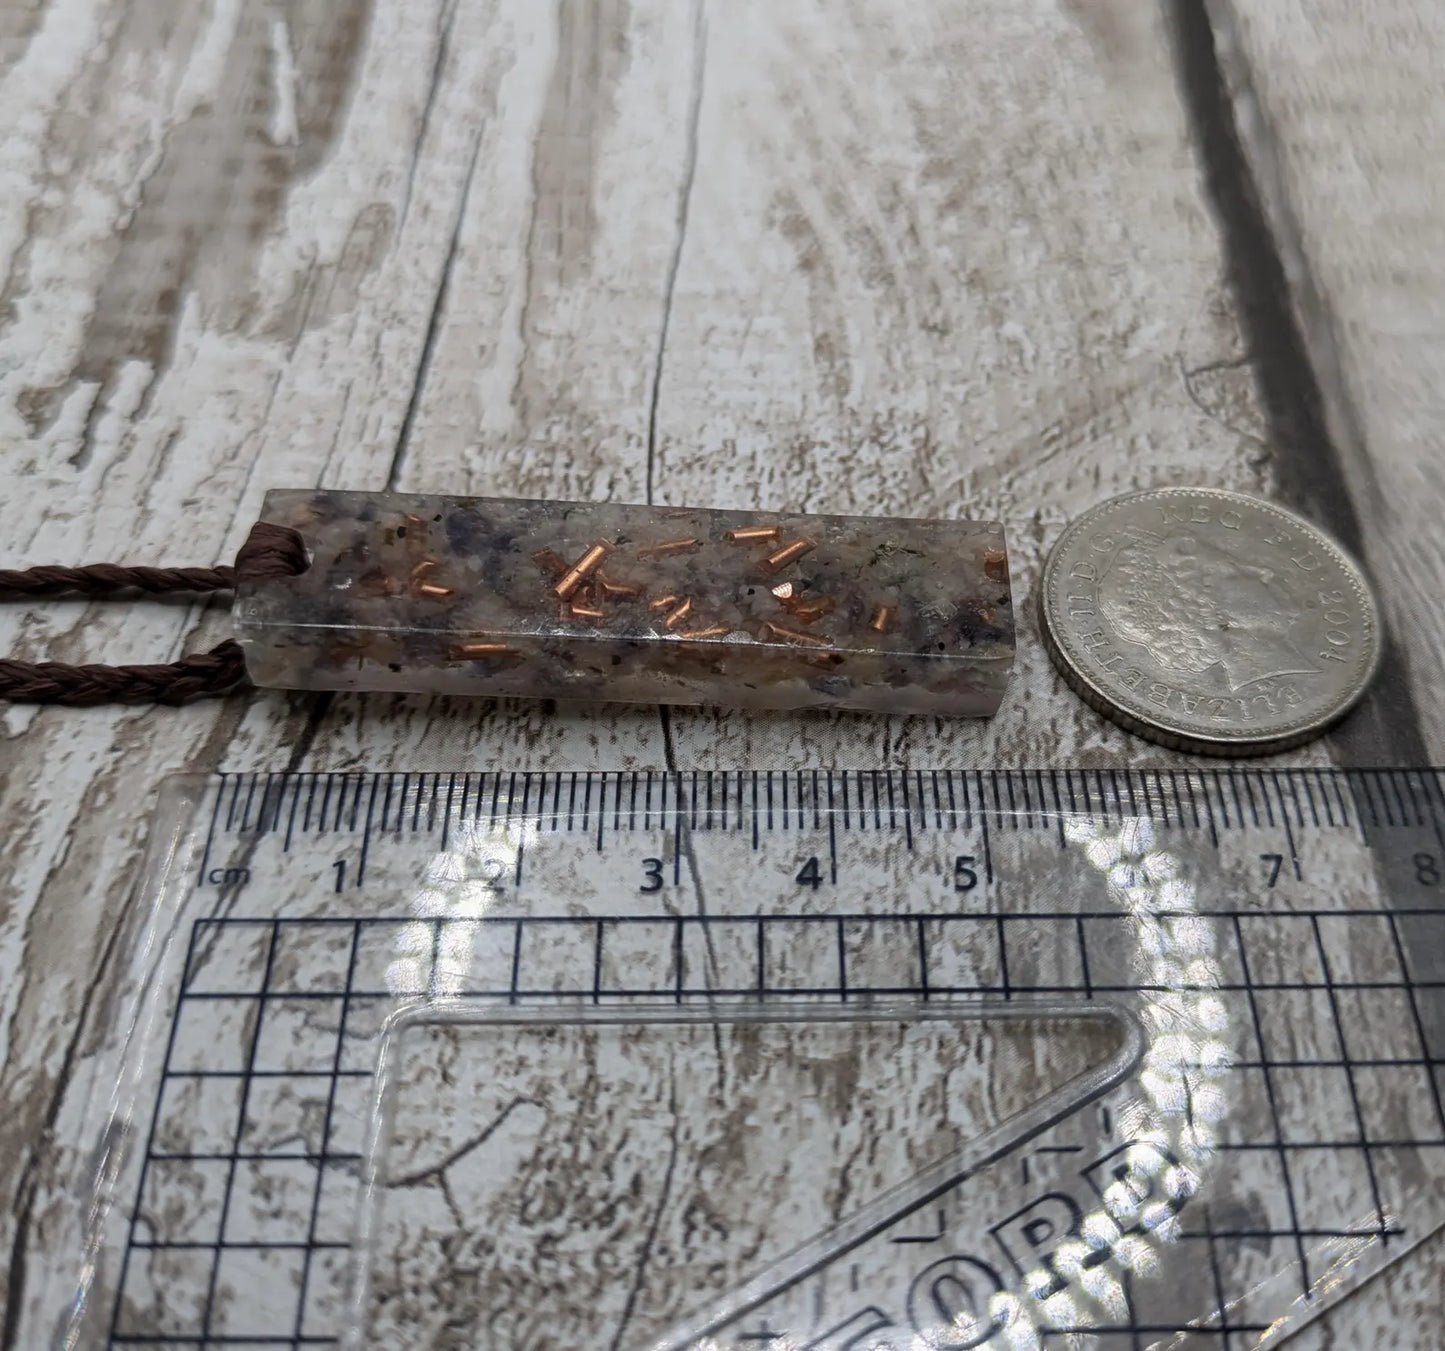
point(1199, 606)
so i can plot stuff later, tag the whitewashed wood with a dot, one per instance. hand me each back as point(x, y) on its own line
point(1339, 112)
point(1340, 117)
point(946, 258)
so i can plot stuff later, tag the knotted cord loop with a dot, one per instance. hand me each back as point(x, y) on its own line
point(269, 551)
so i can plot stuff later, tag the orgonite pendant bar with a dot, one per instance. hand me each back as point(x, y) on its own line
point(602, 601)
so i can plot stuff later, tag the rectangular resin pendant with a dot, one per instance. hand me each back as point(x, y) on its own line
point(633, 604)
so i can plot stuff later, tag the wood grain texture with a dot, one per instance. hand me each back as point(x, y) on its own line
point(940, 259)
point(1340, 123)
point(1342, 132)
point(581, 1159)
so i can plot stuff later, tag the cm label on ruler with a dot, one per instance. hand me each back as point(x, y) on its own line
point(1398, 813)
point(380, 811)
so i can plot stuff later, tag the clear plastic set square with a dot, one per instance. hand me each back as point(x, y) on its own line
point(794, 1060)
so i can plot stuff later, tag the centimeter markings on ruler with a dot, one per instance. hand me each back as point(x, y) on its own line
point(375, 805)
point(405, 818)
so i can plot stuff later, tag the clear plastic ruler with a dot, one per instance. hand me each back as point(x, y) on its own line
point(781, 1060)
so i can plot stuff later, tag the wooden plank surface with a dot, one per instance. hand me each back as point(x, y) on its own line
point(1341, 134)
point(945, 258)
point(1342, 129)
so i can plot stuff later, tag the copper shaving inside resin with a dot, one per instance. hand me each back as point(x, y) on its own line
point(679, 614)
point(432, 591)
point(662, 603)
point(667, 547)
point(789, 553)
point(748, 534)
point(550, 561)
point(806, 609)
point(582, 569)
point(711, 631)
point(377, 582)
point(482, 651)
point(978, 612)
point(882, 619)
point(809, 612)
point(794, 635)
point(995, 565)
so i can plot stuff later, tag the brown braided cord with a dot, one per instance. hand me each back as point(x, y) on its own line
point(218, 671)
point(269, 551)
point(107, 579)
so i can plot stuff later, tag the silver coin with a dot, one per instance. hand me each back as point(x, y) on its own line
point(1209, 621)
